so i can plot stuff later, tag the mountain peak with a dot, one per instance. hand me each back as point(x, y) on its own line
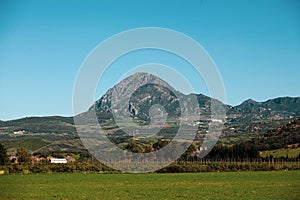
point(134, 85)
point(249, 104)
point(136, 94)
point(140, 74)
point(141, 78)
point(250, 101)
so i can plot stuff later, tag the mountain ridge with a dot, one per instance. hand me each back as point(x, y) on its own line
point(277, 108)
point(243, 122)
point(2, 121)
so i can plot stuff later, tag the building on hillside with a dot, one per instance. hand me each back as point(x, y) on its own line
point(166, 125)
point(70, 159)
point(58, 160)
point(35, 159)
point(19, 132)
point(13, 159)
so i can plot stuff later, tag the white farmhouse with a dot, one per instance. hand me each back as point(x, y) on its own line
point(58, 160)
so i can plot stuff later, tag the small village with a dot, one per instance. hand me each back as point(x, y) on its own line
point(49, 159)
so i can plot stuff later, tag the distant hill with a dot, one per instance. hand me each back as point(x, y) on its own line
point(273, 109)
point(53, 124)
point(42, 119)
point(252, 118)
point(285, 136)
point(38, 133)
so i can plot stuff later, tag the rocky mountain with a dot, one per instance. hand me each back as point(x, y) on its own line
point(137, 93)
point(156, 91)
point(135, 97)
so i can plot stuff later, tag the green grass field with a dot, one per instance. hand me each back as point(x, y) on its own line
point(291, 153)
point(226, 185)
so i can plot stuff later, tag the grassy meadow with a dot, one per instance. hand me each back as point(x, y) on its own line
point(212, 185)
point(291, 153)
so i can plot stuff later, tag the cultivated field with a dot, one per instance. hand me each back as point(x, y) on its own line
point(291, 153)
point(223, 185)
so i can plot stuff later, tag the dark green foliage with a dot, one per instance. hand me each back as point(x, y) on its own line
point(160, 144)
point(278, 138)
point(134, 147)
point(189, 153)
point(168, 133)
point(182, 167)
point(31, 144)
point(177, 167)
point(23, 155)
point(148, 148)
point(238, 152)
point(118, 136)
point(48, 167)
point(3, 155)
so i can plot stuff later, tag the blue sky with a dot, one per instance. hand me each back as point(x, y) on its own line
point(255, 44)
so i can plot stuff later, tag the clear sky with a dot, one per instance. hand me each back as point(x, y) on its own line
point(255, 44)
